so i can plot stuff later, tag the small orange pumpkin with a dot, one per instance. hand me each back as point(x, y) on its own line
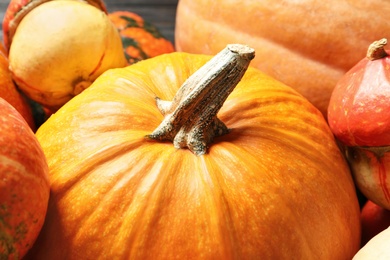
point(257, 189)
point(141, 40)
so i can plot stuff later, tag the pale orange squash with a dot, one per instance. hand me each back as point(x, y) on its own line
point(308, 45)
point(51, 62)
point(263, 190)
point(18, 9)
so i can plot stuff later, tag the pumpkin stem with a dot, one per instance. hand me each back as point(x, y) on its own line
point(376, 50)
point(191, 118)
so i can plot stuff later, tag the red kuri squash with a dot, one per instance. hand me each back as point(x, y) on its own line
point(359, 117)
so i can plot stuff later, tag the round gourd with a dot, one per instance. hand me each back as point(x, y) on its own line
point(24, 184)
point(18, 9)
point(308, 45)
point(240, 182)
point(54, 61)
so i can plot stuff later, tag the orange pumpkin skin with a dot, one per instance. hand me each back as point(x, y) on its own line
point(9, 91)
point(307, 45)
point(262, 191)
point(24, 184)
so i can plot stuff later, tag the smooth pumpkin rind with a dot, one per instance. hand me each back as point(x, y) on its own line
point(263, 190)
point(308, 45)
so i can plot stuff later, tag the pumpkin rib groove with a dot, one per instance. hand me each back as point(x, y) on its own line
point(238, 153)
point(105, 204)
point(86, 166)
point(229, 237)
point(163, 200)
point(153, 204)
point(97, 206)
point(227, 178)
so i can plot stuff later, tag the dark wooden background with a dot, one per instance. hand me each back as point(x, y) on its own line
point(161, 13)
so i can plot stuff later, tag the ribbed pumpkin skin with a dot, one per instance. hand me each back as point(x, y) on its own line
point(308, 45)
point(276, 184)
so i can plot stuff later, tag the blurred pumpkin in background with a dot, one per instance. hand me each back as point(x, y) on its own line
point(141, 39)
point(308, 45)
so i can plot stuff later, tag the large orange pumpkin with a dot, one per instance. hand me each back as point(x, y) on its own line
point(273, 187)
point(24, 184)
point(308, 44)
